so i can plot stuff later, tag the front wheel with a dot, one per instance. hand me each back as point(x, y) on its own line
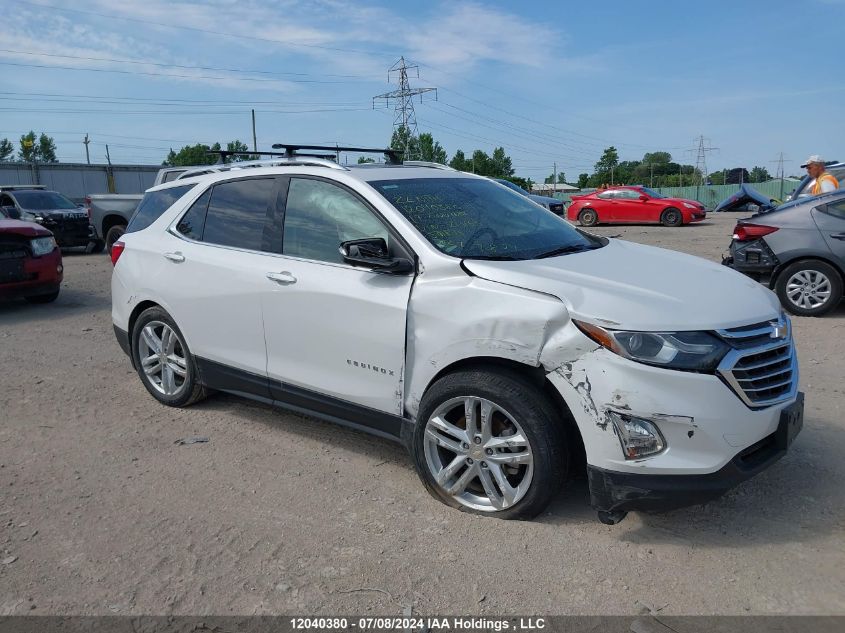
point(163, 360)
point(489, 442)
point(671, 217)
point(809, 288)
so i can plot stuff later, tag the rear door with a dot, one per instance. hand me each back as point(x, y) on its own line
point(335, 333)
point(214, 262)
point(830, 219)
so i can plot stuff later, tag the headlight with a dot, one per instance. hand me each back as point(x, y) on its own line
point(42, 246)
point(689, 351)
point(690, 206)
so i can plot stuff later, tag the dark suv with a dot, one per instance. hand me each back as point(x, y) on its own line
point(33, 203)
point(798, 250)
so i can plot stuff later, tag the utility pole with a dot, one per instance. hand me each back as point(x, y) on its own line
point(254, 138)
point(651, 176)
point(554, 180)
point(87, 156)
point(109, 172)
point(404, 116)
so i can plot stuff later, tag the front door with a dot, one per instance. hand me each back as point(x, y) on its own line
point(335, 333)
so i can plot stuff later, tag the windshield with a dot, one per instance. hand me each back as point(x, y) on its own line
point(43, 200)
point(652, 193)
point(473, 218)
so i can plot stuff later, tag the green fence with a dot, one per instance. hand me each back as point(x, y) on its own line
point(712, 195)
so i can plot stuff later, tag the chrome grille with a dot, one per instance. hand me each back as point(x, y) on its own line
point(762, 367)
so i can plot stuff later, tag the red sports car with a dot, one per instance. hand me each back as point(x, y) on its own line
point(618, 205)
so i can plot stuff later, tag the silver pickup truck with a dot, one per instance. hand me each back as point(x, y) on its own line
point(109, 213)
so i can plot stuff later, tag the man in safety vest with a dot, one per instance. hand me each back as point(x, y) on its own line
point(822, 182)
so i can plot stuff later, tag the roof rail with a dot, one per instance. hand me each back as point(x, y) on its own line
point(392, 155)
point(13, 187)
point(223, 154)
point(428, 163)
point(267, 162)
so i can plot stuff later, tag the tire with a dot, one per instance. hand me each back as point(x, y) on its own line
point(96, 246)
point(671, 217)
point(588, 217)
point(167, 385)
point(50, 298)
point(809, 287)
point(113, 234)
point(533, 470)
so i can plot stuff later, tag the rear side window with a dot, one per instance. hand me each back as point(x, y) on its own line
point(153, 204)
point(240, 214)
point(836, 209)
point(193, 222)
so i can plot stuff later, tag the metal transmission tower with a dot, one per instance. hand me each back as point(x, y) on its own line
point(402, 98)
point(780, 171)
point(701, 161)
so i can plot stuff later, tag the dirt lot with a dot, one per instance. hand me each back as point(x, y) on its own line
point(102, 513)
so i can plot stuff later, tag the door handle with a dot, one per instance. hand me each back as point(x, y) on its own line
point(284, 278)
point(838, 236)
point(175, 257)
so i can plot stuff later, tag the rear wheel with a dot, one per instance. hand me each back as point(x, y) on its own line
point(809, 287)
point(588, 217)
point(113, 234)
point(163, 360)
point(489, 442)
point(671, 217)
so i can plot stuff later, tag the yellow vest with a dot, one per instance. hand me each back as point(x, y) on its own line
point(817, 187)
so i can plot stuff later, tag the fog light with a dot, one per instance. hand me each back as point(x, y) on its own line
point(639, 438)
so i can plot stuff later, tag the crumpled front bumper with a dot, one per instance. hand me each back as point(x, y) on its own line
point(613, 491)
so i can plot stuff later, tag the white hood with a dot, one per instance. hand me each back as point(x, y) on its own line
point(635, 287)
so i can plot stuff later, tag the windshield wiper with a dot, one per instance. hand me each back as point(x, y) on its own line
point(563, 250)
point(493, 258)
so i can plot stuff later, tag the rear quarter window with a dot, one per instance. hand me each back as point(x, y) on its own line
point(153, 204)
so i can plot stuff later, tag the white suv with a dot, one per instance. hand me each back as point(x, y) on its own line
point(504, 347)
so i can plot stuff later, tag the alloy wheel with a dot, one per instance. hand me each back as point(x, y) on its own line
point(478, 454)
point(162, 357)
point(808, 289)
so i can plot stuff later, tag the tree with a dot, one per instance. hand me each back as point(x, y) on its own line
point(7, 150)
point(192, 155)
point(28, 147)
point(500, 164)
point(760, 174)
point(605, 167)
point(430, 150)
point(459, 161)
point(365, 159)
point(238, 146)
point(583, 181)
point(405, 143)
point(46, 151)
point(655, 158)
point(550, 180)
point(525, 183)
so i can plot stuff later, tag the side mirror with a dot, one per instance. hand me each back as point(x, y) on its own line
point(372, 253)
point(643, 197)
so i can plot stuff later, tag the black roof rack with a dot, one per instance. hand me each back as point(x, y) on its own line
point(392, 155)
point(223, 154)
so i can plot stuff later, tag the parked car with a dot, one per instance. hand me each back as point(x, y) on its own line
point(798, 250)
point(501, 345)
point(30, 261)
point(109, 213)
point(52, 210)
point(618, 205)
point(552, 204)
point(836, 168)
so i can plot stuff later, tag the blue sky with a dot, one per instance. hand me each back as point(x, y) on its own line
point(549, 81)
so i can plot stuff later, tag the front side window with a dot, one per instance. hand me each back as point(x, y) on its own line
point(320, 215)
point(240, 215)
point(628, 194)
point(153, 204)
point(43, 201)
point(473, 218)
point(607, 195)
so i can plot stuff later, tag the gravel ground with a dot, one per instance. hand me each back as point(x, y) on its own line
point(101, 513)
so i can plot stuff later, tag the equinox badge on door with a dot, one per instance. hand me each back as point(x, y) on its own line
point(378, 370)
